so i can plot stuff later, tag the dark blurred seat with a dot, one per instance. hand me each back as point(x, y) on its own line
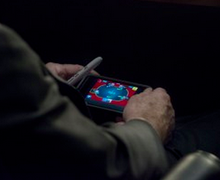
point(199, 165)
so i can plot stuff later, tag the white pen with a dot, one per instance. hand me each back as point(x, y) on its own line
point(85, 71)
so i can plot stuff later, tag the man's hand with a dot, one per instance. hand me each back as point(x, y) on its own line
point(154, 107)
point(65, 71)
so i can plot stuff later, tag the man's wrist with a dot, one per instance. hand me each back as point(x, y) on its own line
point(149, 123)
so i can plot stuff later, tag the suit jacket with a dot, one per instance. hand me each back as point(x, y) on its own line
point(45, 134)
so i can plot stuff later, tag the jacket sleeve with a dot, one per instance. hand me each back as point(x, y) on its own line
point(45, 136)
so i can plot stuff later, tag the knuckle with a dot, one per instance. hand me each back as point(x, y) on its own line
point(136, 97)
point(160, 89)
point(168, 97)
point(163, 93)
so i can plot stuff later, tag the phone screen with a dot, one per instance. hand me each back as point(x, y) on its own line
point(109, 93)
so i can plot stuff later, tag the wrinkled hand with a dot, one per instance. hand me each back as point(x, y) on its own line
point(155, 107)
point(65, 71)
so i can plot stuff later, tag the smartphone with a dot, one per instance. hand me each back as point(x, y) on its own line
point(108, 93)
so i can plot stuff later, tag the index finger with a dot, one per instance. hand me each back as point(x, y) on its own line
point(71, 69)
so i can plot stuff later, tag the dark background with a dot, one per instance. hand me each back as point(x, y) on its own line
point(159, 44)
